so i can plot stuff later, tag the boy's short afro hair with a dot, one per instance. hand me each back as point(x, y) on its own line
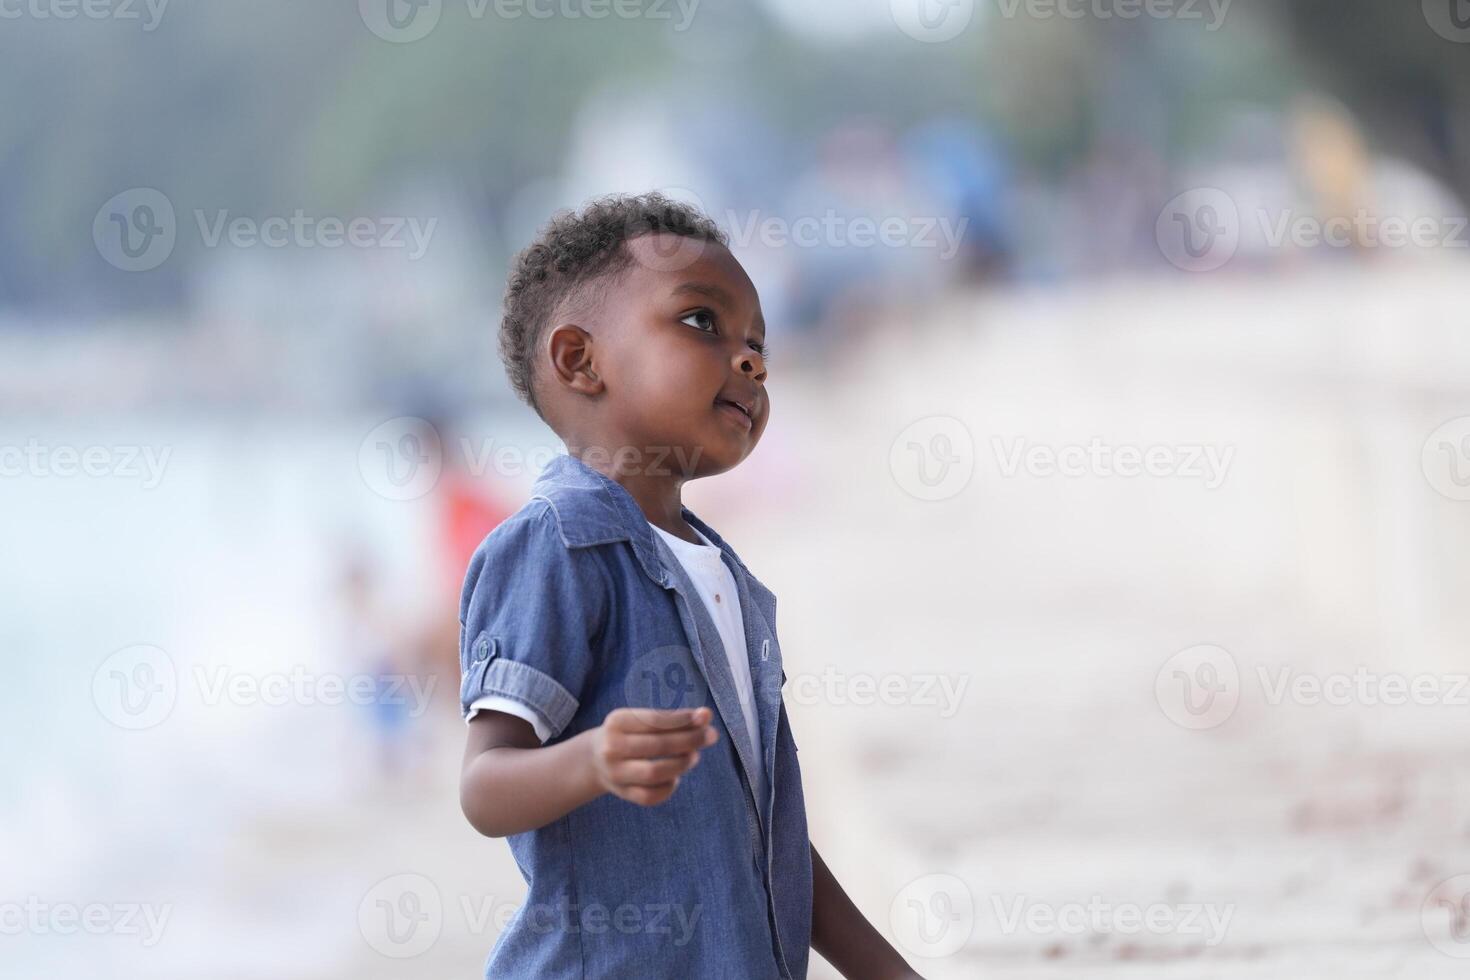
point(575, 248)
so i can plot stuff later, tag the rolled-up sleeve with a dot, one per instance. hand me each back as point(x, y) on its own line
point(529, 614)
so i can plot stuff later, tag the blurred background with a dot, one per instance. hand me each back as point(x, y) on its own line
point(1116, 492)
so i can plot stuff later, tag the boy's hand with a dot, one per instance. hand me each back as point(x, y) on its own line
point(638, 754)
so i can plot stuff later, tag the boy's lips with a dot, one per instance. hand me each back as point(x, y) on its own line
point(738, 409)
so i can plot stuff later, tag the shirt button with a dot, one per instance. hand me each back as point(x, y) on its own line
point(717, 597)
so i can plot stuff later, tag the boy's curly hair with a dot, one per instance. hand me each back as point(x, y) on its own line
point(574, 249)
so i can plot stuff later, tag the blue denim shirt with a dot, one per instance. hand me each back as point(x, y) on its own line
point(574, 607)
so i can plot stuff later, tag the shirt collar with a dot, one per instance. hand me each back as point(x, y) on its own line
point(593, 509)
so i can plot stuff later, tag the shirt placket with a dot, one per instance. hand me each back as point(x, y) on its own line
point(709, 657)
point(765, 669)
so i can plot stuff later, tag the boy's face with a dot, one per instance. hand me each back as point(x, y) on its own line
point(678, 346)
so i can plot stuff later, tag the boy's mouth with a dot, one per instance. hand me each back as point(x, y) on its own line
point(742, 411)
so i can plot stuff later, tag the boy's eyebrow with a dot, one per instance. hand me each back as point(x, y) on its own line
point(717, 293)
point(714, 292)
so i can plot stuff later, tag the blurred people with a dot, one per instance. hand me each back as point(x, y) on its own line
point(466, 509)
point(374, 644)
point(1332, 162)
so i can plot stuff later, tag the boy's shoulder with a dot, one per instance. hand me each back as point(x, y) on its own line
point(574, 508)
point(585, 507)
point(571, 510)
point(568, 504)
point(528, 552)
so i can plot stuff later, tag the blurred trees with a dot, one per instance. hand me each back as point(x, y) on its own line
point(268, 106)
point(1408, 84)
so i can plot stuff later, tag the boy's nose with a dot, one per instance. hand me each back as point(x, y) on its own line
point(750, 363)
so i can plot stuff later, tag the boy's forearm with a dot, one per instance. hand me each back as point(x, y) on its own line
point(844, 937)
point(508, 790)
point(510, 783)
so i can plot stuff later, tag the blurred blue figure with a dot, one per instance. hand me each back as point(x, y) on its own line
point(372, 642)
point(969, 174)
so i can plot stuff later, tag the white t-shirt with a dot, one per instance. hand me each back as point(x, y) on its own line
point(716, 587)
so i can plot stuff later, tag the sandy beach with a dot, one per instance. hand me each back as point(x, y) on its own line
point(978, 684)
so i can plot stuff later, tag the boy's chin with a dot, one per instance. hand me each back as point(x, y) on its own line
point(689, 459)
point(712, 459)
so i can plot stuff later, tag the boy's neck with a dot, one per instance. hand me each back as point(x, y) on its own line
point(659, 496)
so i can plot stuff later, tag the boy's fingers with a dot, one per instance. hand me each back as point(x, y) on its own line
point(656, 720)
point(657, 772)
point(641, 746)
point(649, 795)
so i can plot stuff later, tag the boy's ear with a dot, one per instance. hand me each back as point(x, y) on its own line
point(571, 359)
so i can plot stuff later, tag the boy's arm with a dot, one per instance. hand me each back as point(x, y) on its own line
point(509, 783)
point(846, 939)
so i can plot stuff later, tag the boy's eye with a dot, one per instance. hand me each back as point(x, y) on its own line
point(704, 320)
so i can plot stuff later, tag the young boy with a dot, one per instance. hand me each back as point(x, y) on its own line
point(621, 672)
